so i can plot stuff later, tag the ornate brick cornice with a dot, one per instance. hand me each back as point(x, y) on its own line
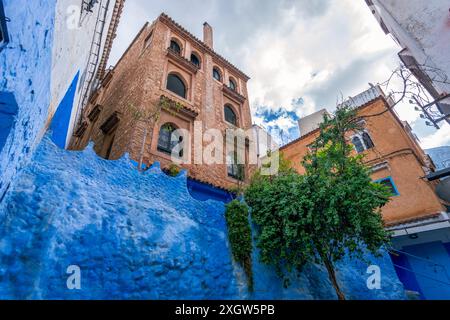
point(171, 23)
point(177, 107)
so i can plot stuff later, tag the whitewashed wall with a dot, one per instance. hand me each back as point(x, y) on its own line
point(72, 42)
point(423, 27)
point(263, 142)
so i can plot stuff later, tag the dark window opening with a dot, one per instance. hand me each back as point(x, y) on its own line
point(388, 182)
point(109, 129)
point(232, 85)
point(235, 170)
point(81, 129)
point(95, 113)
point(4, 38)
point(110, 146)
point(358, 144)
point(362, 142)
point(110, 124)
point(195, 60)
point(168, 139)
point(216, 74)
point(230, 116)
point(174, 46)
point(367, 140)
point(176, 85)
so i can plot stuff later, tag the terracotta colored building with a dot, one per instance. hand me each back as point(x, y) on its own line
point(168, 79)
point(392, 152)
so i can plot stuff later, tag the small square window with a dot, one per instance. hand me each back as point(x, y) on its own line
point(388, 182)
point(4, 38)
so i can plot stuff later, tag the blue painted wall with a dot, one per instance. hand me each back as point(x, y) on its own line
point(136, 236)
point(25, 68)
point(61, 119)
point(203, 192)
point(425, 268)
point(406, 274)
point(8, 113)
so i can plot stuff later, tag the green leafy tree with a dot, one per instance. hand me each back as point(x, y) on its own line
point(240, 236)
point(334, 209)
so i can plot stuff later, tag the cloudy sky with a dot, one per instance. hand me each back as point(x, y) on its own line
point(301, 55)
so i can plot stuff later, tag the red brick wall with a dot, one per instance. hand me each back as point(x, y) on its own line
point(139, 80)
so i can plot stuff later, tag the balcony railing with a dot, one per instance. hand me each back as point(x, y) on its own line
point(174, 106)
point(176, 56)
point(233, 94)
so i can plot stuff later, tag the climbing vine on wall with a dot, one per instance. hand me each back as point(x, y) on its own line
point(240, 236)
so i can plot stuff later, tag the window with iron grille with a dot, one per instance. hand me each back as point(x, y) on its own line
point(195, 60)
point(81, 130)
point(88, 5)
point(230, 115)
point(232, 85)
point(362, 141)
point(95, 113)
point(175, 47)
point(4, 38)
point(176, 85)
point(169, 138)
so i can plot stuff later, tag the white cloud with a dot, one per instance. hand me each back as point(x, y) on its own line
point(439, 138)
point(316, 49)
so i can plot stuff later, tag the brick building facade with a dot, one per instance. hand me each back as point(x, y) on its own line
point(392, 152)
point(167, 79)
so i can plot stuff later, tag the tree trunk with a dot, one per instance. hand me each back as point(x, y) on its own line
point(332, 276)
point(141, 155)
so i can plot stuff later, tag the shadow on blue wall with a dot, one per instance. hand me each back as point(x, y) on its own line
point(25, 69)
point(425, 268)
point(8, 113)
point(61, 119)
point(203, 192)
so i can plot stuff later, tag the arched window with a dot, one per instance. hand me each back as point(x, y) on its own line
point(358, 144)
point(175, 46)
point(168, 138)
point(230, 116)
point(235, 170)
point(232, 85)
point(195, 60)
point(216, 74)
point(176, 85)
point(367, 140)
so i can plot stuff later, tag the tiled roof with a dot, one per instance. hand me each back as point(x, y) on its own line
point(168, 20)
